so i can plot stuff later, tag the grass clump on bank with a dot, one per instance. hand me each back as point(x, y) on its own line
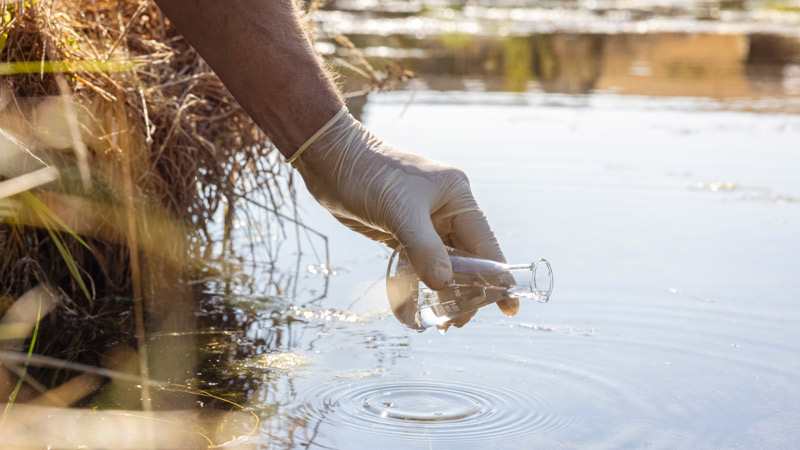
point(118, 148)
point(123, 165)
point(110, 95)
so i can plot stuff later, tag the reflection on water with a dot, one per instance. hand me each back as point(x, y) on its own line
point(674, 64)
point(676, 49)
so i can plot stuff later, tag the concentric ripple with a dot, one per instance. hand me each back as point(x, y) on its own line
point(424, 410)
point(423, 405)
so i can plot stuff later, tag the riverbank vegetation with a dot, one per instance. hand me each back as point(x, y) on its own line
point(125, 169)
point(123, 160)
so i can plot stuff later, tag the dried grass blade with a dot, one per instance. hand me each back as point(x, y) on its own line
point(21, 378)
point(124, 32)
point(78, 146)
point(19, 320)
point(28, 181)
point(120, 123)
point(55, 363)
point(70, 391)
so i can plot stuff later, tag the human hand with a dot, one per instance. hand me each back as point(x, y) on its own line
point(397, 198)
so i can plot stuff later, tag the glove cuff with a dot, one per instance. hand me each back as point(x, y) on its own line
point(316, 135)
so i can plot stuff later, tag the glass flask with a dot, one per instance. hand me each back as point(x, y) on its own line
point(476, 282)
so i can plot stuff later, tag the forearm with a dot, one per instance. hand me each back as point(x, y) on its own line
point(262, 54)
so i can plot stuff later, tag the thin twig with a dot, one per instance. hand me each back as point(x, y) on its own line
point(127, 28)
point(78, 146)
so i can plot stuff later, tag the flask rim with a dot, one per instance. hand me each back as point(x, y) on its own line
point(543, 296)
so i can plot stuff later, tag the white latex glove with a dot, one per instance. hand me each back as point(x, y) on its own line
point(395, 198)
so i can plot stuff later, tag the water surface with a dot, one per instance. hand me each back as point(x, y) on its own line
point(658, 173)
point(672, 230)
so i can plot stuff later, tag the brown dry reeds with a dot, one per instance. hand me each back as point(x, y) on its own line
point(108, 91)
point(119, 148)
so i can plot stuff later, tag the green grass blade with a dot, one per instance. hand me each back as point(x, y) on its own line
point(51, 222)
point(17, 67)
point(72, 266)
point(4, 36)
point(14, 394)
point(42, 210)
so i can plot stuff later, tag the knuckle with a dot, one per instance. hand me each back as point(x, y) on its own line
point(457, 174)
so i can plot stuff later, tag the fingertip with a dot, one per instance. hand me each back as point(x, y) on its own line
point(459, 321)
point(442, 276)
point(509, 306)
point(437, 274)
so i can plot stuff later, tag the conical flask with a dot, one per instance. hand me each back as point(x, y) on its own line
point(476, 282)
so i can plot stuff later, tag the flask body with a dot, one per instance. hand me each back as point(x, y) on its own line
point(476, 282)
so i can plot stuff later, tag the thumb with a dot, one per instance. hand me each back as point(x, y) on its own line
point(426, 252)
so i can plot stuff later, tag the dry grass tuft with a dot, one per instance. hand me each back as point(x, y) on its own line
point(119, 149)
point(111, 86)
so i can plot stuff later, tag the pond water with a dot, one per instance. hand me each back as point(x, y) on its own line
point(670, 211)
point(673, 233)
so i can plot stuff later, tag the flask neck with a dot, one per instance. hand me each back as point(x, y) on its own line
point(534, 280)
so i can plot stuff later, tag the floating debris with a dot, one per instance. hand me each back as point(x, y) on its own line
point(563, 329)
point(360, 374)
point(745, 192)
point(284, 361)
point(536, 327)
point(322, 269)
point(324, 314)
point(716, 186)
